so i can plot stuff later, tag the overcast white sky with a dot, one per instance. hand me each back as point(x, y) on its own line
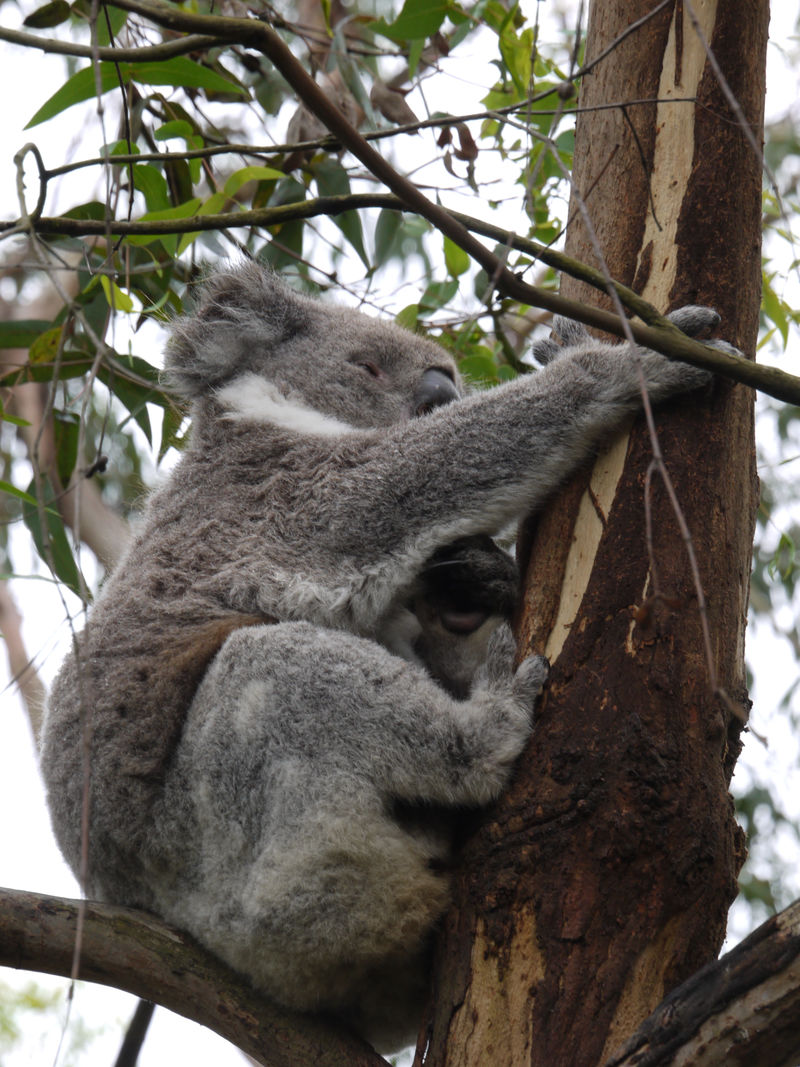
point(29, 858)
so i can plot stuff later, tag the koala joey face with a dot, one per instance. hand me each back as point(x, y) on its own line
point(262, 349)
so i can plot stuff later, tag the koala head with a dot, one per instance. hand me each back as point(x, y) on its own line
point(252, 341)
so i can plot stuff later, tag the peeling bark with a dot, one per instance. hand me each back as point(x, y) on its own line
point(603, 878)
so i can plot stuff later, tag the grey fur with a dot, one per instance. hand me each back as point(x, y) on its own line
point(270, 797)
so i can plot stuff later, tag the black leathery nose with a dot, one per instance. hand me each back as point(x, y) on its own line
point(434, 390)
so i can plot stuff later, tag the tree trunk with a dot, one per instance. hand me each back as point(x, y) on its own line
point(603, 878)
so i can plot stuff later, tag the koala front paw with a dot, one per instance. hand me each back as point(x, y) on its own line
point(504, 706)
point(566, 333)
point(527, 681)
point(695, 320)
point(666, 377)
point(500, 655)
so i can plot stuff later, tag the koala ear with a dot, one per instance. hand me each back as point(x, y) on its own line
point(239, 316)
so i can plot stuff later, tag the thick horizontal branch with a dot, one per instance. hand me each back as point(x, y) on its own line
point(141, 54)
point(137, 953)
point(741, 1011)
point(655, 331)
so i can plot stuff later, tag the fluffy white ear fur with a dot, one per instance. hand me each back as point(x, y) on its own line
point(251, 397)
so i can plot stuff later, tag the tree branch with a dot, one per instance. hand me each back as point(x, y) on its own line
point(21, 667)
point(741, 1011)
point(260, 36)
point(658, 333)
point(141, 54)
point(135, 952)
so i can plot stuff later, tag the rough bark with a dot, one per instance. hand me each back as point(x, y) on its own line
point(604, 877)
point(742, 1011)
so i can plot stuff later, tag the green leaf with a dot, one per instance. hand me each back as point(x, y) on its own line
point(176, 128)
point(456, 259)
point(67, 432)
point(332, 180)
point(116, 298)
point(516, 51)
point(22, 333)
point(418, 19)
point(386, 230)
point(48, 15)
point(80, 87)
point(72, 365)
point(169, 241)
point(152, 184)
point(20, 494)
point(51, 540)
point(170, 430)
point(479, 369)
point(113, 19)
point(408, 317)
point(438, 295)
point(179, 72)
point(45, 348)
point(415, 50)
point(251, 174)
point(117, 19)
point(94, 209)
point(12, 420)
point(215, 203)
point(134, 396)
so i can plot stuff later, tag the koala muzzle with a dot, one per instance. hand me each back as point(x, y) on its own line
point(434, 390)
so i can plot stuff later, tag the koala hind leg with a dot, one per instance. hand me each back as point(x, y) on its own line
point(297, 746)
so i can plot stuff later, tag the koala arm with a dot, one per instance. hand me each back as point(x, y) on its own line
point(305, 691)
point(480, 463)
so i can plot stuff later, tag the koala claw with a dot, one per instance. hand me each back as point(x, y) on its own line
point(529, 680)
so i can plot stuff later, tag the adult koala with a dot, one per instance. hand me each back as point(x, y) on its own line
point(261, 757)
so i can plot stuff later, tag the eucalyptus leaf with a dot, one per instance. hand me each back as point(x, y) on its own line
point(178, 71)
point(47, 16)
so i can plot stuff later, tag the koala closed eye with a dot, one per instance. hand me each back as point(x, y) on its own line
point(372, 369)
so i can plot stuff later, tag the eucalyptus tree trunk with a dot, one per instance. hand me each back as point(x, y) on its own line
point(603, 879)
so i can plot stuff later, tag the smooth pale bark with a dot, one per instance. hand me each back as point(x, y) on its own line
point(603, 879)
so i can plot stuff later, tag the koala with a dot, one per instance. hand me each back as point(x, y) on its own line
point(302, 670)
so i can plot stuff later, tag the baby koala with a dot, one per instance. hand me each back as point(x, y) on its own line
point(307, 639)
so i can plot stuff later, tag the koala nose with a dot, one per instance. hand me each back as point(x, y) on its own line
point(434, 390)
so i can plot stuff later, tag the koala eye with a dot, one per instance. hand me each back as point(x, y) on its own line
point(371, 368)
